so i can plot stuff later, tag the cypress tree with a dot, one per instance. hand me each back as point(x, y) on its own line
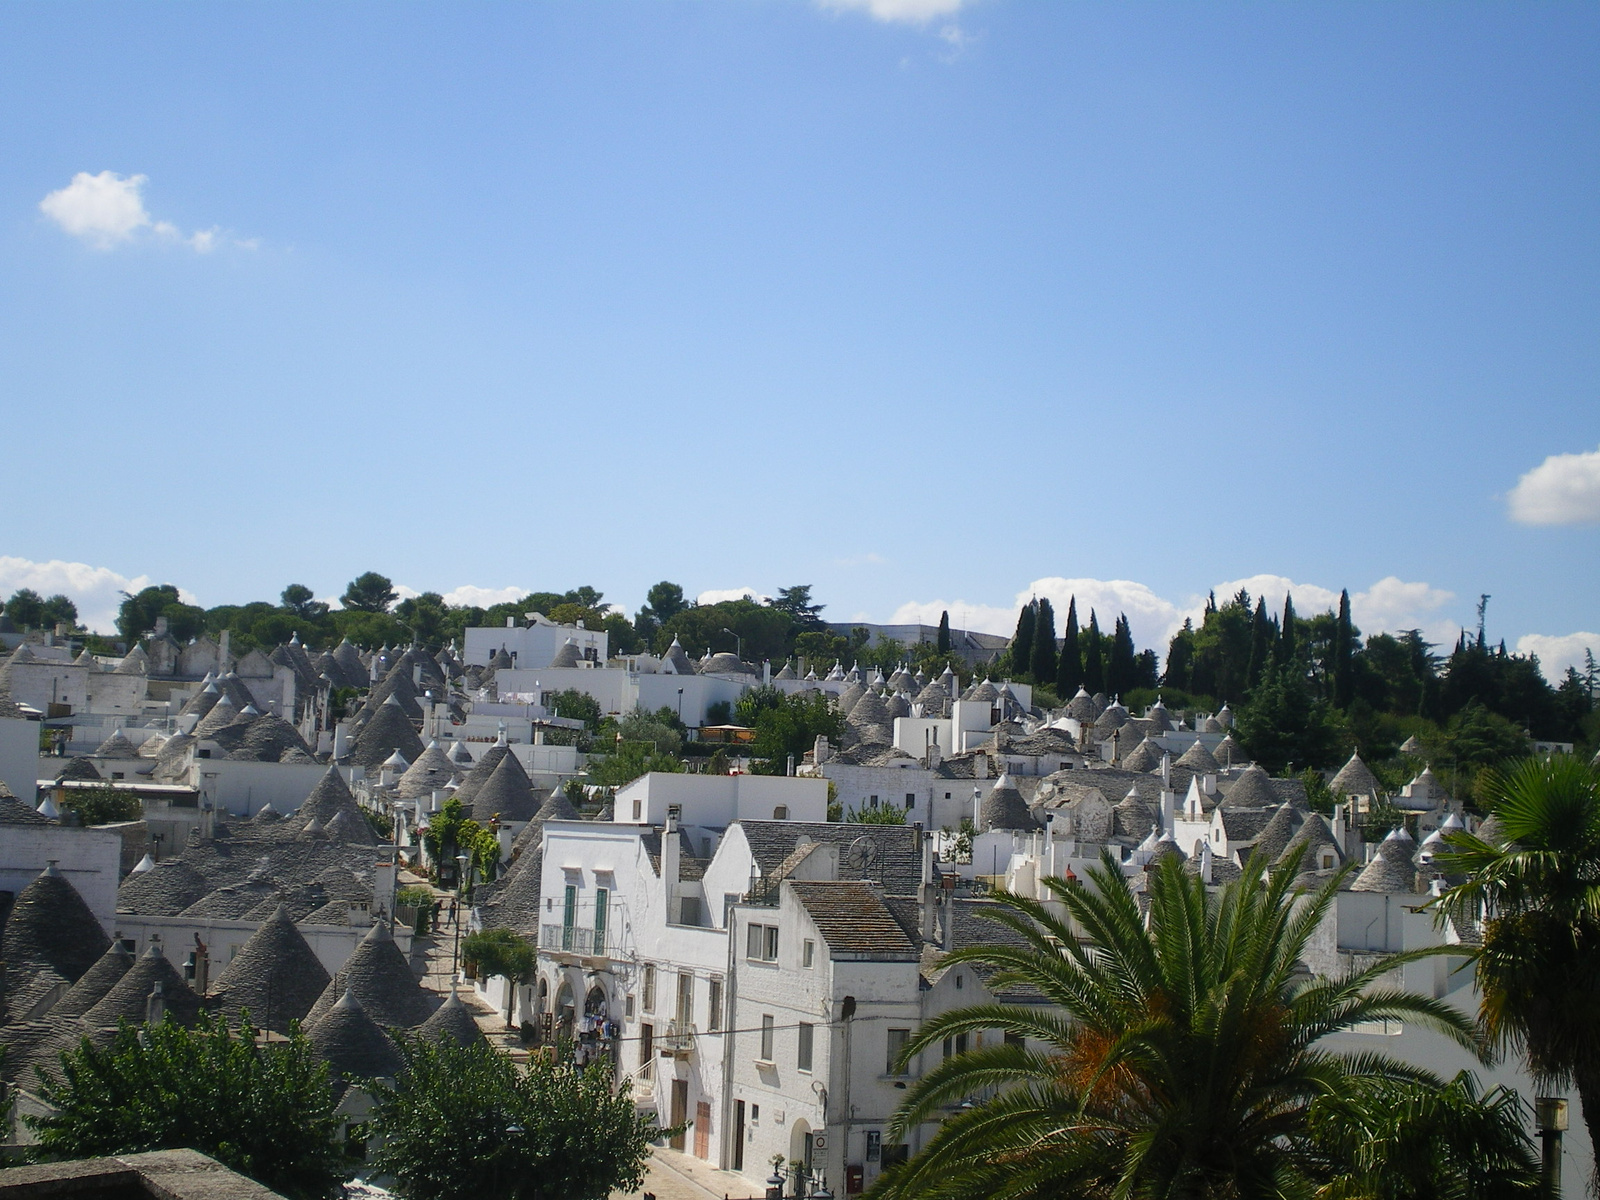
point(1180, 657)
point(1122, 674)
point(1261, 640)
point(1094, 670)
point(944, 632)
point(1286, 636)
point(1344, 655)
point(1069, 670)
point(1044, 662)
point(1022, 640)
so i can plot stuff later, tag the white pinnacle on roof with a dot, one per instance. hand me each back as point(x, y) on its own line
point(144, 864)
point(47, 808)
point(397, 761)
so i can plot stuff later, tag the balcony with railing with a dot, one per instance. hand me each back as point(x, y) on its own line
point(580, 941)
point(678, 1040)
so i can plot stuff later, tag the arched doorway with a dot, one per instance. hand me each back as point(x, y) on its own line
point(566, 1016)
point(800, 1171)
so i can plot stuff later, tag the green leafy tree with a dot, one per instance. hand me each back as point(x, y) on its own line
point(302, 601)
point(1042, 659)
point(944, 633)
point(1288, 648)
point(796, 603)
point(629, 762)
point(103, 805)
point(25, 608)
point(578, 706)
point(1536, 891)
point(790, 727)
point(884, 814)
point(369, 592)
point(1263, 640)
point(137, 615)
point(500, 952)
point(464, 1123)
point(424, 617)
point(765, 632)
point(1282, 724)
point(1180, 658)
point(264, 1110)
point(1179, 1055)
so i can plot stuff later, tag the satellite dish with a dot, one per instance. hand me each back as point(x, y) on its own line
point(862, 856)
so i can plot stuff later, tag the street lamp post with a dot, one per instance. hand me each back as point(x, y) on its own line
point(462, 862)
point(738, 643)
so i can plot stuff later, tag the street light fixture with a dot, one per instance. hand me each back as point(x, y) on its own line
point(462, 862)
point(738, 643)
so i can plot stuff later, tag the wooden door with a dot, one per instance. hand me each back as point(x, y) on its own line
point(680, 1109)
point(738, 1135)
point(702, 1130)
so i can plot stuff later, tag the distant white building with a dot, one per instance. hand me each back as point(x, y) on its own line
point(534, 645)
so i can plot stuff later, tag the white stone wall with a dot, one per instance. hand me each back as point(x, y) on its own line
point(91, 860)
point(19, 757)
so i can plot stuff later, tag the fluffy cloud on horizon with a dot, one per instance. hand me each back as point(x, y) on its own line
point(1562, 490)
point(1558, 652)
point(97, 591)
point(107, 210)
point(722, 595)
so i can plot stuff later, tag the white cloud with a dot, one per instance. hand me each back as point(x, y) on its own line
point(983, 618)
point(97, 591)
point(870, 559)
point(107, 209)
point(482, 597)
point(913, 12)
point(101, 209)
point(720, 595)
point(1562, 490)
point(1557, 653)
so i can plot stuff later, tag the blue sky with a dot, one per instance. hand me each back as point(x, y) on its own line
point(926, 303)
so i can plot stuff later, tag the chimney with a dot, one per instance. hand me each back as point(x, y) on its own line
point(1166, 770)
point(223, 652)
point(670, 851)
point(202, 967)
point(383, 883)
point(820, 751)
point(948, 917)
point(1208, 783)
point(1205, 862)
point(511, 622)
point(927, 892)
point(155, 1006)
point(1169, 810)
point(766, 672)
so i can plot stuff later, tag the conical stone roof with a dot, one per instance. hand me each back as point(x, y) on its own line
point(1277, 833)
point(93, 985)
point(276, 976)
point(377, 974)
point(129, 997)
point(163, 891)
point(1198, 759)
point(354, 671)
point(51, 926)
point(1355, 778)
point(1229, 753)
point(452, 1021)
point(388, 730)
point(134, 662)
point(1253, 789)
point(1316, 837)
point(332, 797)
point(1146, 756)
point(352, 1043)
point(81, 769)
point(431, 772)
point(1004, 808)
point(1391, 869)
point(222, 714)
point(481, 770)
point(849, 698)
point(507, 793)
point(15, 812)
point(116, 746)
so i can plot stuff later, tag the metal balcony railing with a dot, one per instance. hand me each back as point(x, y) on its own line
point(574, 939)
point(678, 1038)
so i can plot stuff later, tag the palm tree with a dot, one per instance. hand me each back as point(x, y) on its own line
point(1171, 1057)
point(1535, 887)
